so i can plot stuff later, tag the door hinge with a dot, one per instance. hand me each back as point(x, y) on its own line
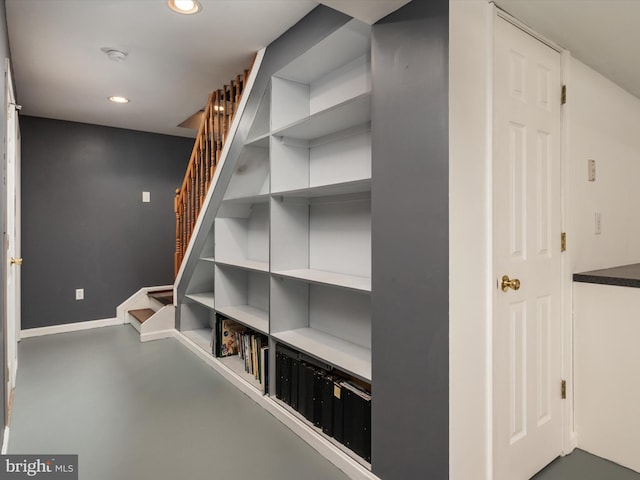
point(563, 389)
point(563, 95)
point(563, 242)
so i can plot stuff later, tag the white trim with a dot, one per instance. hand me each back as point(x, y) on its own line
point(223, 157)
point(159, 335)
point(69, 327)
point(5, 441)
point(490, 265)
point(331, 452)
point(525, 28)
point(570, 440)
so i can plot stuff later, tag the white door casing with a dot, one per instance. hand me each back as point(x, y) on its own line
point(527, 324)
point(12, 294)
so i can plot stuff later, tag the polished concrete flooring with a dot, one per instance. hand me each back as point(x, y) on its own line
point(147, 411)
point(580, 465)
point(153, 410)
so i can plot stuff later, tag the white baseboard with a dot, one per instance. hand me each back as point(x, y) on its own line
point(69, 327)
point(5, 441)
point(159, 335)
point(327, 449)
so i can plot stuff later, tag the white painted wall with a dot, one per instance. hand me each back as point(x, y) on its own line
point(600, 122)
point(470, 268)
point(604, 125)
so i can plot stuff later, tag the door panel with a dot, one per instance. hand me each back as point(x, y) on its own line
point(527, 322)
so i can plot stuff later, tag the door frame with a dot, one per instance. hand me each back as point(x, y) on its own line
point(569, 442)
point(13, 137)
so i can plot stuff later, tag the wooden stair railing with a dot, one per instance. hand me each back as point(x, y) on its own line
point(216, 121)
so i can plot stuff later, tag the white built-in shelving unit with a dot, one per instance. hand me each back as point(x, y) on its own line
point(289, 251)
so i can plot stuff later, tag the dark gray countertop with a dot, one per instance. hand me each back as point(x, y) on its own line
point(623, 276)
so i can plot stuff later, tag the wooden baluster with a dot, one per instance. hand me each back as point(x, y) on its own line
point(219, 127)
point(192, 206)
point(232, 100)
point(212, 142)
point(207, 154)
point(177, 257)
point(185, 219)
point(225, 114)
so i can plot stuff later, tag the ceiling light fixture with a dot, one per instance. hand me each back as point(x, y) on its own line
point(186, 7)
point(117, 99)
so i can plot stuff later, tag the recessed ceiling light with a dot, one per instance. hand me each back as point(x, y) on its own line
point(187, 7)
point(117, 99)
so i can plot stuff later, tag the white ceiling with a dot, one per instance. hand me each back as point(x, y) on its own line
point(174, 61)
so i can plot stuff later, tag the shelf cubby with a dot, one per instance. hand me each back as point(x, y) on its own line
point(196, 323)
point(208, 250)
point(200, 288)
point(243, 295)
point(323, 240)
point(340, 158)
point(326, 75)
point(261, 123)
point(251, 176)
point(328, 323)
point(242, 235)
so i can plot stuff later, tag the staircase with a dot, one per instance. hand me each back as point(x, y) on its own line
point(207, 150)
point(151, 312)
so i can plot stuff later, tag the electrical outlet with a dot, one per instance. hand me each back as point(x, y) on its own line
point(592, 170)
point(79, 293)
point(598, 223)
point(146, 197)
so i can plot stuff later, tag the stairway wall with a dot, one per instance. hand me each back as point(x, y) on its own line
point(83, 221)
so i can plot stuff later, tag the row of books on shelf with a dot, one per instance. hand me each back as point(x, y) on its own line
point(230, 338)
point(340, 406)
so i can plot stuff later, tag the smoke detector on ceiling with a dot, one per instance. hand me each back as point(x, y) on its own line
point(115, 54)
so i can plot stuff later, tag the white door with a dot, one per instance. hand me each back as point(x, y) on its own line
point(13, 254)
point(527, 223)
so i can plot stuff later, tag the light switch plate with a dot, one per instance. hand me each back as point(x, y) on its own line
point(592, 170)
point(146, 197)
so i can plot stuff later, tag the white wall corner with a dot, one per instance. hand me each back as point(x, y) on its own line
point(470, 240)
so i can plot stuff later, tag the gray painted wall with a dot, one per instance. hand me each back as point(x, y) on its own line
point(410, 228)
point(83, 221)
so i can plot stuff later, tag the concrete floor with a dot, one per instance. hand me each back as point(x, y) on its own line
point(155, 411)
point(581, 465)
point(147, 411)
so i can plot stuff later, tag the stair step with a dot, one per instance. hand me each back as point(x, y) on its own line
point(165, 297)
point(142, 314)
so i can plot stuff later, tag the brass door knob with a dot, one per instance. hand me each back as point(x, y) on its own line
point(16, 261)
point(506, 283)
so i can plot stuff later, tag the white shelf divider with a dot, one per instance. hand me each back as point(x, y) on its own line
point(204, 298)
point(348, 114)
point(248, 200)
point(351, 282)
point(340, 353)
point(249, 316)
point(254, 265)
point(335, 189)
